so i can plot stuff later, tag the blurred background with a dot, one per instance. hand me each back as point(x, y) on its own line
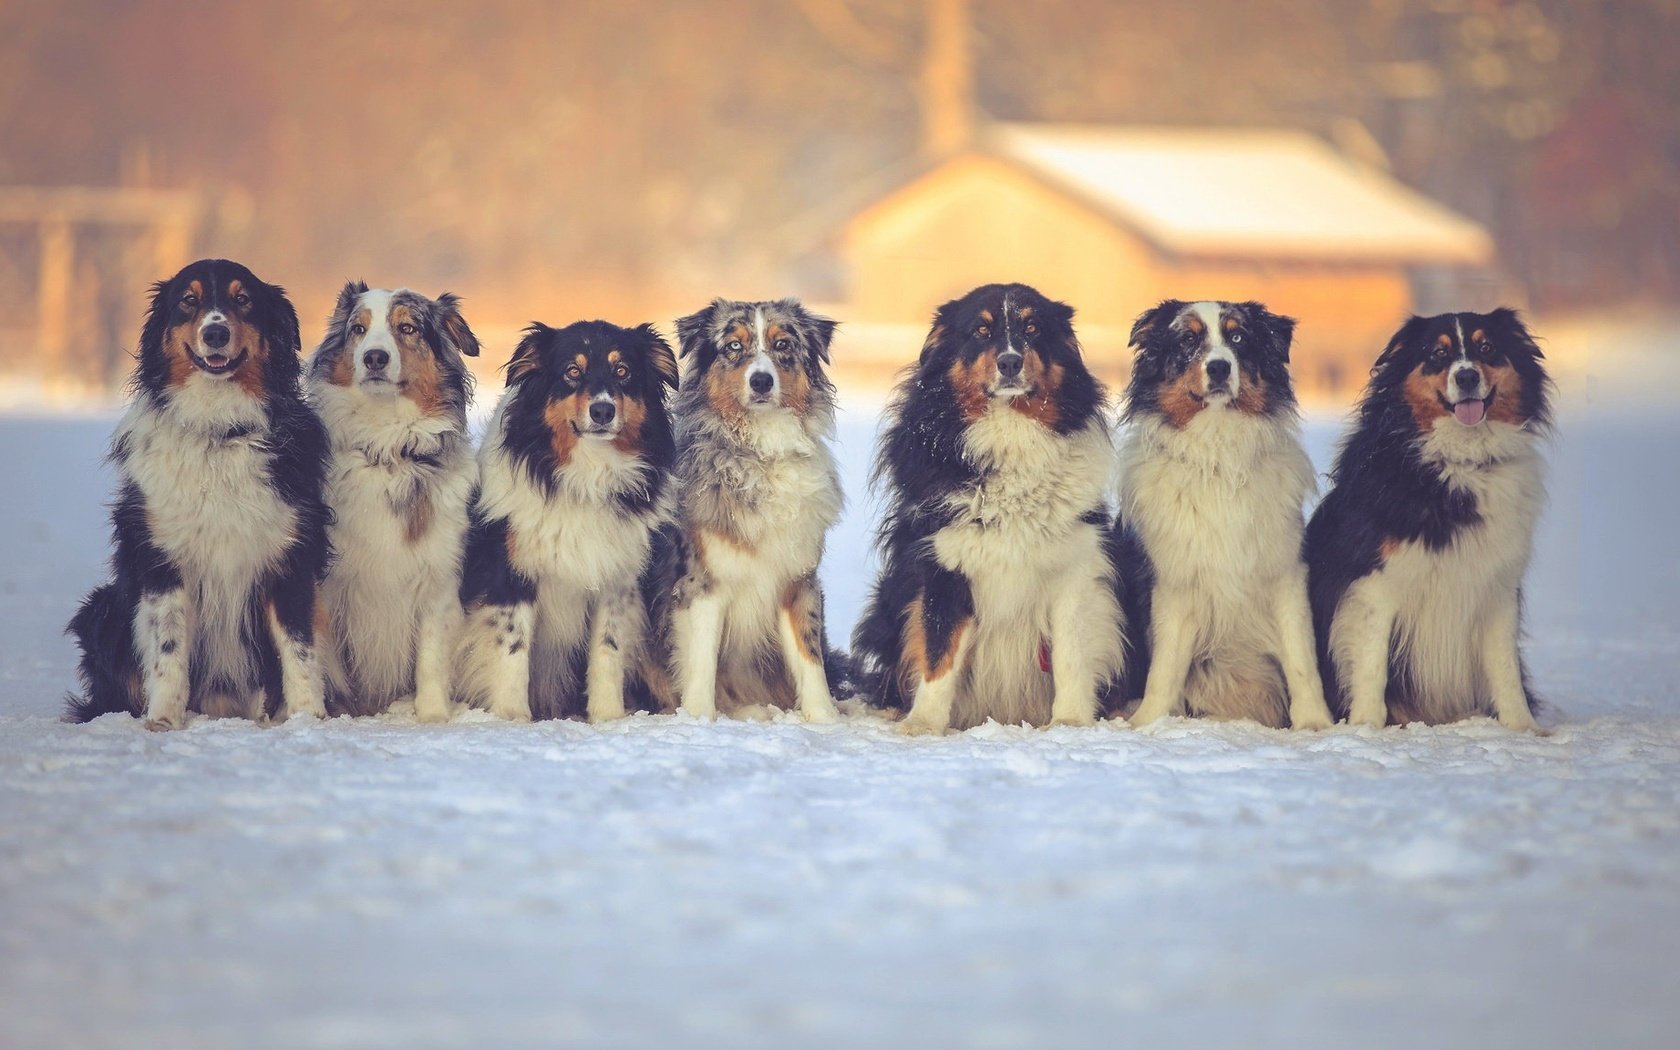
point(1346, 161)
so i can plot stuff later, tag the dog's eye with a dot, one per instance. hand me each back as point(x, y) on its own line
point(407, 328)
point(983, 331)
point(574, 373)
point(735, 346)
point(1235, 338)
point(783, 346)
point(1489, 352)
point(189, 300)
point(358, 329)
point(1032, 328)
point(242, 300)
point(622, 370)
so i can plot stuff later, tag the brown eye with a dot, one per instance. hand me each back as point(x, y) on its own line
point(783, 346)
point(358, 329)
point(1032, 328)
point(189, 300)
point(407, 328)
point(242, 300)
point(622, 371)
point(983, 331)
point(574, 373)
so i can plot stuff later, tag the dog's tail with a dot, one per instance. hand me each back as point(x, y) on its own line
point(104, 630)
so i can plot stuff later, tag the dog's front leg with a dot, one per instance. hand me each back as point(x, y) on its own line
point(1361, 633)
point(1293, 616)
point(508, 689)
point(697, 624)
point(163, 626)
point(291, 621)
point(1502, 665)
point(938, 637)
point(616, 626)
point(1084, 610)
point(440, 626)
point(803, 646)
point(1172, 635)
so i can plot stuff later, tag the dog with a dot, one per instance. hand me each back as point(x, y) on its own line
point(391, 385)
point(1418, 551)
point(1213, 477)
point(759, 491)
point(219, 524)
point(998, 597)
point(574, 506)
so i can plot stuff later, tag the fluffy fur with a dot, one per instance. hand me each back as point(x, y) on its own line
point(999, 595)
point(392, 388)
point(574, 504)
point(1213, 477)
point(1419, 550)
point(760, 491)
point(219, 524)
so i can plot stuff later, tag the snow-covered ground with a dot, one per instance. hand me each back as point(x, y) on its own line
point(661, 882)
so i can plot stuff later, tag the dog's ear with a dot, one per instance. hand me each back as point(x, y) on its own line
point(157, 318)
point(659, 355)
point(527, 356)
point(347, 297)
point(280, 321)
point(822, 331)
point(454, 325)
point(1153, 319)
point(1514, 335)
point(1058, 317)
point(691, 330)
point(1397, 344)
point(1280, 330)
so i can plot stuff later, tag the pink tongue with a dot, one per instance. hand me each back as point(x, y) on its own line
point(1470, 412)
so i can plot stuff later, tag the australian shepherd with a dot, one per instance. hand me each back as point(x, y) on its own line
point(1418, 551)
point(1213, 477)
point(999, 596)
point(219, 523)
point(759, 491)
point(575, 495)
point(392, 388)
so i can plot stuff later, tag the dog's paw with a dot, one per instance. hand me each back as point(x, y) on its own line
point(820, 714)
point(1376, 719)
point(913, 726)
point(431, 710)
point(511, 712)
point(1077, 718)
point(1524, 723)
point(162, 725)
point(1314, 719)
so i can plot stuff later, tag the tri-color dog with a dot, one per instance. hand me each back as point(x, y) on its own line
point(219, 523)
point(760, 490)
point(1419, 549)
point(392, 388)
point(1213, 477)
point(998, 596)
point(575, 493)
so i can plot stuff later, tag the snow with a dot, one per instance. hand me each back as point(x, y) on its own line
point(660, 880)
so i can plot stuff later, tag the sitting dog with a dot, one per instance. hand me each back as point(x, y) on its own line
point(759, 491)
point(998, 597)
point(219, 523)
point(1418, 551)
point(392, 388)
point(1213, 477)
point(575, 497)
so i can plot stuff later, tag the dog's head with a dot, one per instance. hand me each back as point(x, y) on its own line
point(591, 382)
point(215, 322)
point(1006, 344)
point(1469, 368)
point(1222, 356)
point(758, 357)
point(388, 344)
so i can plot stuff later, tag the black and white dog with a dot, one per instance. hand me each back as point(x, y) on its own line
point(759, 491)
point(1418, 551)
point(219, 523)
point(575, 494)
point(998, 597)
point(1213, 477)
point(392, 388)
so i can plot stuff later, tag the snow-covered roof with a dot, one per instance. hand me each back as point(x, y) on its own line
point(1241, 193)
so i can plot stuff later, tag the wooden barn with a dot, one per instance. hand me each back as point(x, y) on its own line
point(1112, 219)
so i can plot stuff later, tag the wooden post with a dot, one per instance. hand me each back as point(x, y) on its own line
point(52, 299)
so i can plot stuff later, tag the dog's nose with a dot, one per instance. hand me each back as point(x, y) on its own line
point(1009, 365)
point(376, 359)
point(1218, 371)
point(216, 336)
point(602, 412)
point(761, 382)
point(1468, 378)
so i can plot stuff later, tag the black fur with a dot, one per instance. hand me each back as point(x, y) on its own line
point(1166, 349)
point(296, 446)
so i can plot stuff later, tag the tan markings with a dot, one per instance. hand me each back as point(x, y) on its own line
point(796, 388)
point(525, 360)
point(934, 338)
point(1252, 394)
point(664, 361)
point(1182, 398)
point(1194, 323)
point(1508, 394)
point(562, 435)
point(913, 664)
point(723, 386)
point(741, 334)
point(422, 380)
point(1423, 395)
point(1025, 313)
point(176, 349)
point(969, 385)
point(1390, 546)
point(986, 317)
point(614, 357)
point(632, 414)
point(1478, 337)
point(344, 369)
point(1231, 324)
point(797, 602)
point(1044, 405)
point(512, 544)
point(417, 519)
point(1444, 341)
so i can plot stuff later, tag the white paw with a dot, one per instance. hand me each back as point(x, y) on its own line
point(431, 709)
point(915, 725)
point(1072, 718)
point(705, 710)
point(1314, 718)
point(605, 713)
point(1375, 718)
point(820, 713)
point(514, 712)
point(162, 725)
point(1524, 723)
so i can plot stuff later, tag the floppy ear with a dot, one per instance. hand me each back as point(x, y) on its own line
point(691, 330)
point(1153, 318)
point(659, 355)
point(935, 338)
point(281, 330)
point(454, 325)
point(157, 319)
point(822, 330)
point(527, 356)
point(1397, 343)
point(346, 300)
point(1280, 330)
point(1513, 329)
point(1060, 315)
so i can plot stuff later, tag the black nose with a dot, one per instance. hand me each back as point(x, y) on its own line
point(1218, 370)
point(761, 382)
point(1009, 365)
point(601, 412)
point(1468, 378)
point(376, 359)
point(216, 336)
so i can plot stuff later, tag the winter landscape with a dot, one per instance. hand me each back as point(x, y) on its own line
point(662, 881)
